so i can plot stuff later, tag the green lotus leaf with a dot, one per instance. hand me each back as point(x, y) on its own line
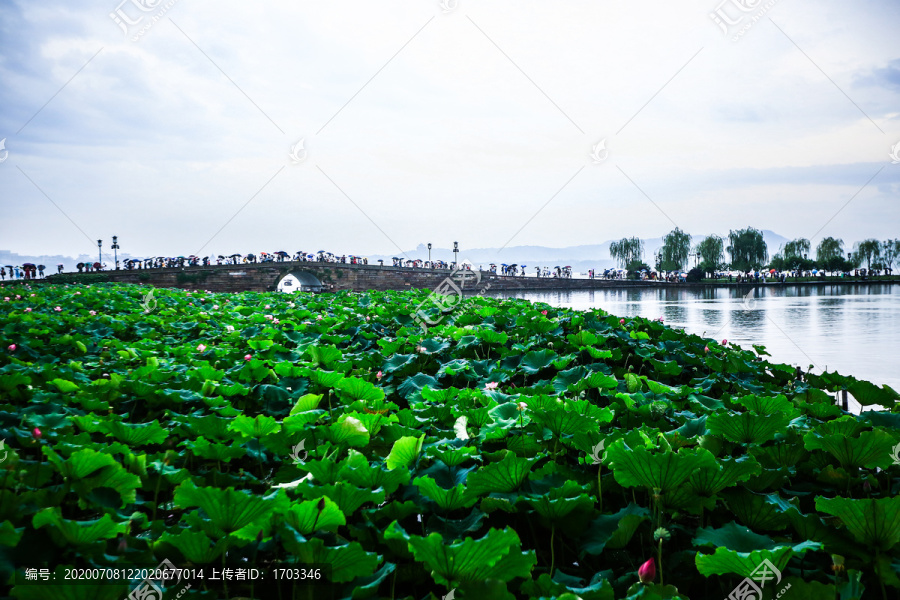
point(504, 417)
point(452, 499)
point(582, 338)
point(350, 431)
point(433, 346)
point(567, 587)
point(759, 512)
point(404, 452)
point(556, 508)
point(359, 389)
point(347, 562)
point(195, 545)
point(743, 564)
point(9, 535)
point(868, 394)
point(767, 405)
point(76, 533)
point(324, 355)
point(415, 384)
point(871, 449)
point(256, 427)
point(663, 470)
point(214, 451)
point(602, 381)
point(705, 483)
point(564, 422)
point(229, 509)
point(873, 522)
point(497, 555)
point(357, 470)
point(503, 476)
point(847, 426)
point(137, 434)
point(114, 477)
point(65, 386)
point(80, 463)
point(537, 360)
point(328, 379)
point(733, 537)
point(348, 497)
point(312, 515)
point(397, 362)
point(747, 427)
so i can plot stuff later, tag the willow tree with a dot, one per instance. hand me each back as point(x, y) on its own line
point(712, 253)
point(747, 249)
point(675, 250)
point(796, 249)
point(869, 251)
point(829, 249)
point(890, 252)
point(627, 250)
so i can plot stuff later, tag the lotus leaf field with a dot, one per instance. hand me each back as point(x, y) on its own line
point(515, 450)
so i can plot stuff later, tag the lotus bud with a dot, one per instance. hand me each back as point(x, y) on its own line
point(36, 433)
point(647, 571)
point(837, 563)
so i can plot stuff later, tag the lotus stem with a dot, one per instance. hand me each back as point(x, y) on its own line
point(659, 555)
point(600, 489)
point(553, 552)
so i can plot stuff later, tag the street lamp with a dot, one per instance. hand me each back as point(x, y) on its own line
point(455, 255)
point(429, 252)
point(115, 246)
point(100, 252)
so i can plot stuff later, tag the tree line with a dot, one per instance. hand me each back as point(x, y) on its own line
point(747, 251)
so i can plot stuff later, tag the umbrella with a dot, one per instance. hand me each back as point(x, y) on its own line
point(220, 256)
point(233, 255)
point(28, 264)
point(771, 270)
point(815, 271)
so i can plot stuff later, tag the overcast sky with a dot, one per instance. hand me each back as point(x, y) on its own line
point(472, 122)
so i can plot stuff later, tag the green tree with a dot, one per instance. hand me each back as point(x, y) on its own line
point(747, 249)
point(829, 249)
point(712, 254)
point(796, 249)
point(868, 251)
point(890, 252)
point(627, 250)
point(675, 250)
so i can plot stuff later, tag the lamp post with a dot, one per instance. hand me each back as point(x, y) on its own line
point(115, 247)
point(429, 252)
point(100, 252)
point(455, 255)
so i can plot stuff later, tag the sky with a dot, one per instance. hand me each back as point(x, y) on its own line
point(213, 127)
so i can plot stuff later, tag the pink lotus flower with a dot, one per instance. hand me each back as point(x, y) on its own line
point(647, 571)
point(201, 348)
point(58, 309)
point(521, 406)
point(229, 328)
point(491, 385)
point(368, 318)
point(543, 312)
point(11, 348)
point(319, 318)
point(420, 349)
point(247, 357)
point(190, 303)
point(36, 433)
point(32, 295)
point(379, 375)
point(724, 342)
point(268, 307)
point(18, 297)
point(77, 293)
point(269, 317)
point(275, 321)
point(621, 321)
point(6, 299)
point(706, 349)
point(215, 307)
point(93, 312)
point(660, 320)
point(28, 309)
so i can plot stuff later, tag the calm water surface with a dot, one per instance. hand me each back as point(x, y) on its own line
point(851, 329)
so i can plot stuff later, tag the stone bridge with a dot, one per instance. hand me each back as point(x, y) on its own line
point(265, 277)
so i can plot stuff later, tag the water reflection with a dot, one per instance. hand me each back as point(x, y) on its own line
point(854, 329)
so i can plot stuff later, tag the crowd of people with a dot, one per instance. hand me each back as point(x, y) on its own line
point(32, 271)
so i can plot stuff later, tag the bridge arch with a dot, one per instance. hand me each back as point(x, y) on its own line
point(299, 281)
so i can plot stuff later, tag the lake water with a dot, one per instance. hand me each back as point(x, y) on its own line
point(851, 329)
